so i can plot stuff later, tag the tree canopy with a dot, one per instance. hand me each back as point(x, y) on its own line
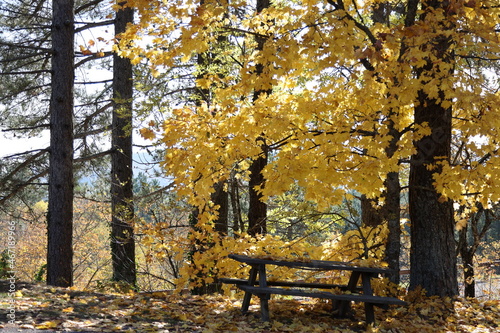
point(355, 92)
point(339, 82)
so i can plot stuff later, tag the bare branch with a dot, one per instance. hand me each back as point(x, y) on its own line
point(92, 157)
point(40, 71)
point(93, 57)
point(487, 157)
point(25, 153)
point(42, 55)
point(95, 82)
point(30, 47)
point(477, 57)
point(93, 132)
point(163, 189)
point(93, 25)
point(19, 187)
point(87, 5)
point(26, 128)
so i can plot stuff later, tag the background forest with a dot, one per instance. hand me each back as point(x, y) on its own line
point(165, 135)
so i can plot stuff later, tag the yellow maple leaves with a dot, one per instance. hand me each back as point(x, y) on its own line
point(336, 82)
point(157, 311)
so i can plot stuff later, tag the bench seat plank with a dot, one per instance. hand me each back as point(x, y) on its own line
point(315, 285)
point(343, 297)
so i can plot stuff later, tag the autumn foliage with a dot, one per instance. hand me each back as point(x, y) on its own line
point(354, 93)
point(329, 109)
point(52, 308)
point(348, 95)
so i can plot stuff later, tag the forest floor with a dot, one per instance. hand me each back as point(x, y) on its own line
point(41, 308)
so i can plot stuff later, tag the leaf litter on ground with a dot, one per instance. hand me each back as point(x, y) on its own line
point(43, 307)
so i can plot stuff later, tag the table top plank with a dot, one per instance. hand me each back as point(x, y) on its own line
point(308, 264)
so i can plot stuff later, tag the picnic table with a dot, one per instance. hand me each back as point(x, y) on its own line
point(263, 288)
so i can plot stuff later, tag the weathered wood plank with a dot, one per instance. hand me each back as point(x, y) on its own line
point(315, 285)
point(342, 297)
point(312, 264)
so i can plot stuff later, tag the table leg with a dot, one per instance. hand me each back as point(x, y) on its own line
point(367, 290)
point(264, 298)
point(345, 306)
point(248, 295)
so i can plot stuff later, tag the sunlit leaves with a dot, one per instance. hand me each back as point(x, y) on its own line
point(42, 307)
point(90, 243)
point(337, 80)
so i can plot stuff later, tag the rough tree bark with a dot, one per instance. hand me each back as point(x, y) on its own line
point(257, 210)
point(60, 215)
point(122, 206)
point(391, 211)
point(433, 256)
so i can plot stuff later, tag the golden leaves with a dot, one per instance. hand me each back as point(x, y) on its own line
point(85, 51)
point(147, 133)
point(339, 88)
point(47, 325)
point(181, 312)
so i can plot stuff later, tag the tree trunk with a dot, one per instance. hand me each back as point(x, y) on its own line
point(60, 216)
point(370, 216)
point(392, 212)
point(235, 204)
point(122, 206)
point(221, 198)
point(468, 243)
point(257, 210)
point(469, 275)
point(433, 255)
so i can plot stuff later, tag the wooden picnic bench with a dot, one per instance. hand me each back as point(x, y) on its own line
point(352, 292)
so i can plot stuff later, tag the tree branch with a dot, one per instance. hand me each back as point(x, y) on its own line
point(93, 132)
point(94, 156)
point(29, 47)
point(93, 25)
point(25, 153)
point(477, 57)
point(40, 71)
point(20, 187)
point(95, 82)
point(93, 57)
point(26, 128)
point(163, 189)
point(87, 5)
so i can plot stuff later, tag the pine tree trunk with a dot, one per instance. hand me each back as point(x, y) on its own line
point(60, 217)
point(122, 206)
